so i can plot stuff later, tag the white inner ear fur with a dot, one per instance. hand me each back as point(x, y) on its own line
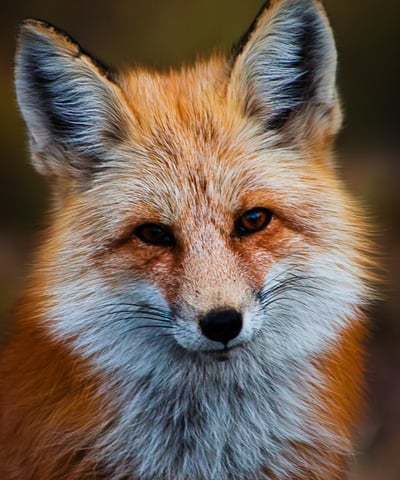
point(72, 111)
point(288, 65)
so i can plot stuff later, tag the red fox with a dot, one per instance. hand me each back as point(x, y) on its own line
point(196, 308)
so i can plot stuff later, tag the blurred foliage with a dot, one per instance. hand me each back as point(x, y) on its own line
point(162, 33)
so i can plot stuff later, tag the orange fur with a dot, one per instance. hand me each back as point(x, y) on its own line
point(186, 128)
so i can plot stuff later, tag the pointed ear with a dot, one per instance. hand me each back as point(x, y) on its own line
point(284, 69)
point(73, 109)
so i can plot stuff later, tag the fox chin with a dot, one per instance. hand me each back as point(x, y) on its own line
point(196, 307)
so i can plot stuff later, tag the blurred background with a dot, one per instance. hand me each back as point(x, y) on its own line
point(160, 33)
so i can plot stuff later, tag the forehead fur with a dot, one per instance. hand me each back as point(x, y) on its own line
point(190, 139)
point(190, 97)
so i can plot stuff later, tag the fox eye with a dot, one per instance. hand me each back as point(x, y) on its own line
point(153, 234)
point(252, 221)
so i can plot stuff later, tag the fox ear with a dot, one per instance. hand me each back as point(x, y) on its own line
point(70, 103)
point(284, 69)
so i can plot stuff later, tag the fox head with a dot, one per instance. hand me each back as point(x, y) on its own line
point(197, 214)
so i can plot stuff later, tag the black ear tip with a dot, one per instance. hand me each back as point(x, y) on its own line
point(32, 24)
point(239, 46)
point(34, 28)
point(35, 22)
point(32, 32)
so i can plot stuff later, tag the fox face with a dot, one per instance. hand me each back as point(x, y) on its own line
point(204, 265)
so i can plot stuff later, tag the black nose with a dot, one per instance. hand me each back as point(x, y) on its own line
point(221, 325)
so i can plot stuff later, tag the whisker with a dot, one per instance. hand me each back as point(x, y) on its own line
point(134, 315)
point(170, 327)
point(129, 328)
point(294, 283)
point(137, 307)
point(134, 310)
point(138, 322)
point(293, 279)
point(305, 290)
point(156, 329)
point(164, 335)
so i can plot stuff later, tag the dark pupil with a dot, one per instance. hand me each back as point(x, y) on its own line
point(152, 232)
point(254, 219)
point(155, 235)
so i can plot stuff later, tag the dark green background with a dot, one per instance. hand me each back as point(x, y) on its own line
point(161, 33)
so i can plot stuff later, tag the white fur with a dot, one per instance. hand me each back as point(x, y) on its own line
point(177, 412)
point(275, 60)
point(182, 414)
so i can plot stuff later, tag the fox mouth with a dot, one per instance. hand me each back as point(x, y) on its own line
point(223, 354)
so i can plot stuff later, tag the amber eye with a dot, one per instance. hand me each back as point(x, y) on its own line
point(153, 234)
point(253, 221)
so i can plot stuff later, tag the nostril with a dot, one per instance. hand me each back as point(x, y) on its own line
point(221, 325)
